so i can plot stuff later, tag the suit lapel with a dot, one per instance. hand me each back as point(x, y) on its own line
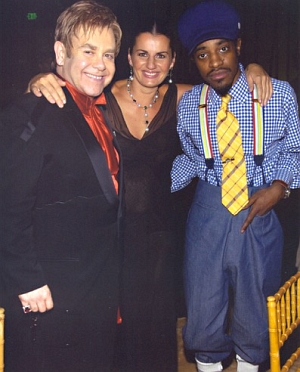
point(93, 149)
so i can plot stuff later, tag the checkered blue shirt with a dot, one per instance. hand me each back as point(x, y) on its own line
point(281, 136)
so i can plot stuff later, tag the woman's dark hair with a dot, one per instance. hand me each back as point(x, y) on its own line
point(153, 27)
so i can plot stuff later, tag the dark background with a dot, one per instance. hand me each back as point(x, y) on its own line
point(270, 28)
point(270, 34)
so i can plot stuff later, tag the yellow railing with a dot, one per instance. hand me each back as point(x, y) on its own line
point(2, 316)
point(284, 318)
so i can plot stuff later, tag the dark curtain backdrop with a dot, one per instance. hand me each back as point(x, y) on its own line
point(271, 30)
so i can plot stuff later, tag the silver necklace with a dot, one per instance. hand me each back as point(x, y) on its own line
point(145, 108)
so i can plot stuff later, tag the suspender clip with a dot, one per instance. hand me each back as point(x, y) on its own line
point(209, 163)
point(258, 159)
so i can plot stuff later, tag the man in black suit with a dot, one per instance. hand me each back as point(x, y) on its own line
point(60, 208)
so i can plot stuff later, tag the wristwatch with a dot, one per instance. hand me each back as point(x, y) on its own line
point(287, 190)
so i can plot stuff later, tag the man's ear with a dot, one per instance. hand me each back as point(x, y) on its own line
point(238, 46)
point(60, 53)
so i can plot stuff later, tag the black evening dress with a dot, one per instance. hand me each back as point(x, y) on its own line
point(153, 231)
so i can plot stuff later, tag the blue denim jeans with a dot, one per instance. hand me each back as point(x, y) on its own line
point(219, 257)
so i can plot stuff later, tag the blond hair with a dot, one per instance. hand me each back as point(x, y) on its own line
point(88, 15)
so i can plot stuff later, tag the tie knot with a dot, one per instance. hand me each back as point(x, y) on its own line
point(225, 101)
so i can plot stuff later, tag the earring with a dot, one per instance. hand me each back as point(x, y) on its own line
point(170, 76)
point(131, 74)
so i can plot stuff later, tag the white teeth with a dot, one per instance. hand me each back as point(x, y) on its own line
point(94, 76)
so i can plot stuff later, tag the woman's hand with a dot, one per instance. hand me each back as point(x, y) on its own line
point(257, 75)
point(48, 85)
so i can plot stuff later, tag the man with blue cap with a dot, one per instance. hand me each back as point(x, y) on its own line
point(247, 158)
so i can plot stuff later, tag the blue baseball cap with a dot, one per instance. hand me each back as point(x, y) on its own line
point(210, 19)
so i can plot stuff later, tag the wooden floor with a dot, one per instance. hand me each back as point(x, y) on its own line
point(189, 366)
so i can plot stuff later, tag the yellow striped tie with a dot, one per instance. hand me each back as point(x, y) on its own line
point(234, 178)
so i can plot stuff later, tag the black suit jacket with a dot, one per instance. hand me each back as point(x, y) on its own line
point(59, 216)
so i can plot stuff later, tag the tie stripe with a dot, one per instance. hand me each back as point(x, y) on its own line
point(234, 179)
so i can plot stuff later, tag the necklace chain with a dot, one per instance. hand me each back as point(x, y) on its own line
point(145, 108)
